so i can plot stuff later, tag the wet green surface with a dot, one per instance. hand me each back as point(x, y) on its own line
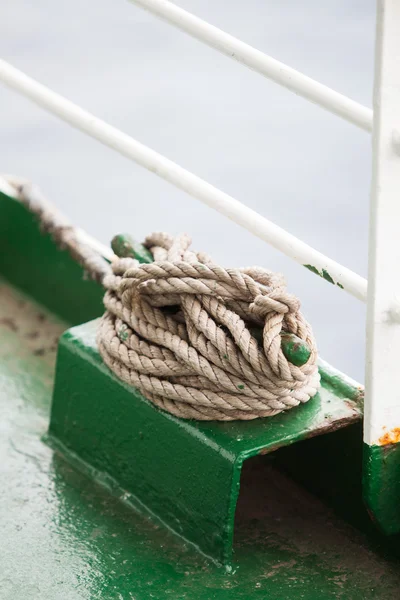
point(64, 537)
point(155, 456)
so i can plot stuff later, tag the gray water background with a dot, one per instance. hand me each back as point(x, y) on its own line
point(292, 162)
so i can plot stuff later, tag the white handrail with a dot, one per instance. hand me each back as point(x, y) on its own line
point(193, 185)
point(256, 60)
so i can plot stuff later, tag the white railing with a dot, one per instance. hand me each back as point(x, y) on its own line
point(261, 63)
point(383, 298)
point(173, 173)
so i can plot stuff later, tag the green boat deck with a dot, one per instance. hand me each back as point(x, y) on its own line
point(301, 530)
point(65, 537)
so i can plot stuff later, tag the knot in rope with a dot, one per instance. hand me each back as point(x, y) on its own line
point(183, 331)
point(199, 341)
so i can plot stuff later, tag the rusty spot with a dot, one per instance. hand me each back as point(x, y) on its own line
point(41, 317)
point(10, 323)
point(390, 437)
point(352, 406)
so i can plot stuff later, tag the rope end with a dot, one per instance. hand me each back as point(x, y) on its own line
point(124, 246)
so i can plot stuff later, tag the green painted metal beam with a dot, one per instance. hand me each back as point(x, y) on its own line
point(381, 485)
point(156, 458)
point(337, 405)
point(381, 481)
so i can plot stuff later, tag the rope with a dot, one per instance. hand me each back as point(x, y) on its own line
point(181, 329)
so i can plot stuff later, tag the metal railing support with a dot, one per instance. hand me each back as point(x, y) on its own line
point(382, 396)
point(383, 319)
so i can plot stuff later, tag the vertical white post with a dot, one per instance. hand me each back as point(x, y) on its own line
point(382, 402)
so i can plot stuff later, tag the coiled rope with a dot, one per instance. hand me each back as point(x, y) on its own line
point(181, 329)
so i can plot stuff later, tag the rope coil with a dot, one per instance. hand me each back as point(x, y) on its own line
point(182, 329)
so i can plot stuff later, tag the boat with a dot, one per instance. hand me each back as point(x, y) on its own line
point(105, 495)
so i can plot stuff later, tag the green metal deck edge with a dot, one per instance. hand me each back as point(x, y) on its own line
point(338, 404)
point(31, 261)
point(264, 435)
point(115, 430)
point(68, 539)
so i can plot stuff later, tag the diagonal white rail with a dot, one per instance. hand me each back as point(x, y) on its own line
point(186, 181)
point(261, 63)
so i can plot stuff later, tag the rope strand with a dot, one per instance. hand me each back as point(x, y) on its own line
point(180, 329)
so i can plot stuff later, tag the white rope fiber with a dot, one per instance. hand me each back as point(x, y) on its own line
point(182, 329)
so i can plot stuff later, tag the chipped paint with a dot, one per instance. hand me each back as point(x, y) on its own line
point(390, 437)
point(123, 332)
point(312, 269)
point(324, 274)
point(327, 277)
